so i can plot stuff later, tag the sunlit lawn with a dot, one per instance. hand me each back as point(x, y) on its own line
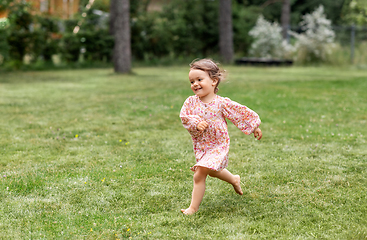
point(87, 154)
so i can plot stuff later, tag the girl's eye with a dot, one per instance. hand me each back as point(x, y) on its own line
point(199, 79)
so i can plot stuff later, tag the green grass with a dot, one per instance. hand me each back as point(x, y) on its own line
point(126, 173)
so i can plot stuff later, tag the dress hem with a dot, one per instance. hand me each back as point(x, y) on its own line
point(193, 168)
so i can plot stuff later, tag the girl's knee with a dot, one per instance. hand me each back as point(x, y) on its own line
point(200, 174)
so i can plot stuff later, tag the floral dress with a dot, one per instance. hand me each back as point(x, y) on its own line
point(211, 146)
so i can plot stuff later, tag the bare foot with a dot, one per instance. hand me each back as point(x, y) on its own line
point(188, 211)
point(237, 185)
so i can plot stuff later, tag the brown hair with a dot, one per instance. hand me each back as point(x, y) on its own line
point(211, 68)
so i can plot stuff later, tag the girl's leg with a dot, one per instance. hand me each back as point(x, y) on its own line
point(225, 175)
point(198, 192)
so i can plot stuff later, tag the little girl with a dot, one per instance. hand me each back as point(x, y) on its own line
point(203, 115)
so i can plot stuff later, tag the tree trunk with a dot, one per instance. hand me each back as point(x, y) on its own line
point(225, 30)
point(120, 28)
point(286, 10)
point(112, 16)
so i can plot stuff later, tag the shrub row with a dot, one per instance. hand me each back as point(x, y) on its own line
point(182, 29)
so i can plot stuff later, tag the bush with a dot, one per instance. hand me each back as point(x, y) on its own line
point(71, 45)
point(268, 40)
point(27, 34)
point(93, 39)
point(338, 56)
point(98, 45)
point(315, 43)
point(149, 36)
point(186, 29)
point(179, 30)
point(48, 27)
point(183, 28)
point(4, 46)
point(19, 35)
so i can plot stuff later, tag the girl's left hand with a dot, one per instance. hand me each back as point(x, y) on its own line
point(257, 133)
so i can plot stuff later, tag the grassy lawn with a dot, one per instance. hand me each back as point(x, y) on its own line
point(87, 154)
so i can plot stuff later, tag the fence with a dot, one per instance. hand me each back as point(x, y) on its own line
point(351, 36)
point(347, 36)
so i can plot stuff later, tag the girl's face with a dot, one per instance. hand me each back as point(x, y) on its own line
point(202, 85)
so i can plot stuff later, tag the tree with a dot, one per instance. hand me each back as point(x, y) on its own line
point(120, 28)
point(285, 18)
point(112, 16)
point(355, 12)
point(225, 30)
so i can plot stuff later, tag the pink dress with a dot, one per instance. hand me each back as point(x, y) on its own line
point(211, 146)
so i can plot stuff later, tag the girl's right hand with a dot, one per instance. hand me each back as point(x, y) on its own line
point(202, 126)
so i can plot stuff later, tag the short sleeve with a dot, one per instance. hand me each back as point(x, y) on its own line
point(241, 116)
point(188, 119)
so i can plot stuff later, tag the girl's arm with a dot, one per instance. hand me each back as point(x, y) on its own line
point(190, 121)
point(242, 117)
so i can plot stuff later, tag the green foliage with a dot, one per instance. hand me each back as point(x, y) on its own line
point(190, 28)
point(4, 46)
point(333, 9)
point(272, 12)
point(89, 154)
point(93, 40)
point(244, 18)
point(98, 45)
point(149, 36)
point(95, 45)
point(20, 35)
point(71, 45)
point(28, 34)
point(70, 24)
point(4, 23)
point(183, 28)
point(51, 37)
point(187, 28)
point(4, 4)
point(355, 12)
point(193, 26)
point(103, 5)
point(40, 38)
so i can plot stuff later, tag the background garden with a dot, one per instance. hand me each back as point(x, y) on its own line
point(182, 30)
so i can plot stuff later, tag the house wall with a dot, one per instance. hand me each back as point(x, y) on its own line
point(59, 8)
point(3, 14)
